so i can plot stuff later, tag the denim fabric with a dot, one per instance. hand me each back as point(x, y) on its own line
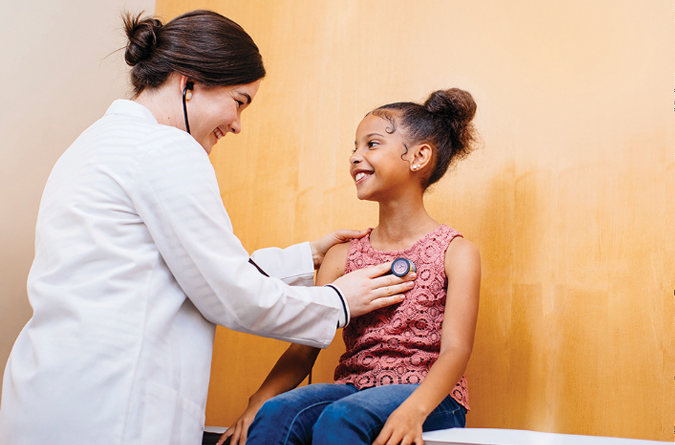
point(327, 413)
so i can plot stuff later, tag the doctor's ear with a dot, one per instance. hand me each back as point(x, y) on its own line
point(421, 157)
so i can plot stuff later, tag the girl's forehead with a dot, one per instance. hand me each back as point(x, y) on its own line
point(380, 123)
point(381, 126)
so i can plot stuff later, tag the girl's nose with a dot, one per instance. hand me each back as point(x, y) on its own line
point(354, 159)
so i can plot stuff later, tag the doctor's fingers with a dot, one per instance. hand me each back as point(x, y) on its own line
point(378, 298)
point(380, 302)
point(388, 290)
point(391, 279)
point(321, 246)
point(377, 270)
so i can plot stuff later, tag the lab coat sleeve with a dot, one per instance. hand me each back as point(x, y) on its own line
point(177, 196)
point(293, 265)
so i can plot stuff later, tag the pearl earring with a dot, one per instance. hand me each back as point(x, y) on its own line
point(415, 167)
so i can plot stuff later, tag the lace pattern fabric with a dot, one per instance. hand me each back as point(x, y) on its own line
point(398, 344)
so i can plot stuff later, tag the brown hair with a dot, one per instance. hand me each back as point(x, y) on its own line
point(443, 121)
point(201, 45)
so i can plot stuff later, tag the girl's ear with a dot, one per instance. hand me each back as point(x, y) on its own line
point(421, 157)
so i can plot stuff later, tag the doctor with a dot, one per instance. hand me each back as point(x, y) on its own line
point(136, 262)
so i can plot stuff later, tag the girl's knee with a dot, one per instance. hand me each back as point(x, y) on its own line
point(273, 408)
point(336, 412)
point(271, 421)
point(343, 420)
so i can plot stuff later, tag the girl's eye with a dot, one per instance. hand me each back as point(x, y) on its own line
point(239, 103)
point(369, 144)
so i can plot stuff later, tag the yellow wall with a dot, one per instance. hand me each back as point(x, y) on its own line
point(570, 199)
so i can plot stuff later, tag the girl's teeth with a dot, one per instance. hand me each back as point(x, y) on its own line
point(359, 176)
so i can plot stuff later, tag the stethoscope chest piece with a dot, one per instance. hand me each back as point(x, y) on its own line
point(402, 267)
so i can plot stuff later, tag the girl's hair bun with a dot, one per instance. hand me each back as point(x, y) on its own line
point(142, 35)
point(455, 104)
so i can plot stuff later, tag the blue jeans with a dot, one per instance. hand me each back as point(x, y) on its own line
point(329, 413)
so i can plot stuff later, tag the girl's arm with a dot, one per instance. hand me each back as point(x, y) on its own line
point(294, 365)
point(462, 267)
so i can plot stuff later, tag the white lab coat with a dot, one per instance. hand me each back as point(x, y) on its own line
point(135, 264)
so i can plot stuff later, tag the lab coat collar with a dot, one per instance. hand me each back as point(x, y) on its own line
point(130, 108)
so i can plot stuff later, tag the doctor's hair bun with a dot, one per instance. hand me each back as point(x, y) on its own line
point(444, 122)
point(201, 45)
point(142, 35)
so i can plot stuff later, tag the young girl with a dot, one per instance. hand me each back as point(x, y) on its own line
point(402, 372)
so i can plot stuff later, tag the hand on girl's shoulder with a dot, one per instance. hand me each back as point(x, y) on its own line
point(333, 265)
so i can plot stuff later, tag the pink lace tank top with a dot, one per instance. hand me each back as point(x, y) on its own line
point(398, 344)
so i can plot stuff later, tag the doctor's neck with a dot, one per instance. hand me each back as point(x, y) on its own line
point(164, 102)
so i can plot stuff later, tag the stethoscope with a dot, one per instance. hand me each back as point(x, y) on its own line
point(188, 87)
point(402, 267)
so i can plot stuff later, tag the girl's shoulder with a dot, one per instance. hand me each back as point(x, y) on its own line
point(338, 252)
point(460, 246)
point(333, 265)
point(462, 254)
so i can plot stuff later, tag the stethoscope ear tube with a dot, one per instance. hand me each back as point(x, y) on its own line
point(402, 267)
point(188, 86)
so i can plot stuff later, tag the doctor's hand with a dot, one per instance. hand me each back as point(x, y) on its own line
point(370, 289)
point(321, 246)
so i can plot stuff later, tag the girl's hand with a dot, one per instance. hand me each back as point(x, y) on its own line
point(404, 427)
point(239, 429)
point(321, 246)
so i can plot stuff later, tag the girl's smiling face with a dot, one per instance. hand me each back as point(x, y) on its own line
point(214, 112)
point(378, 164)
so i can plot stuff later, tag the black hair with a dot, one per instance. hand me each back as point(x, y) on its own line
point(202, 45)
point(443, 121)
